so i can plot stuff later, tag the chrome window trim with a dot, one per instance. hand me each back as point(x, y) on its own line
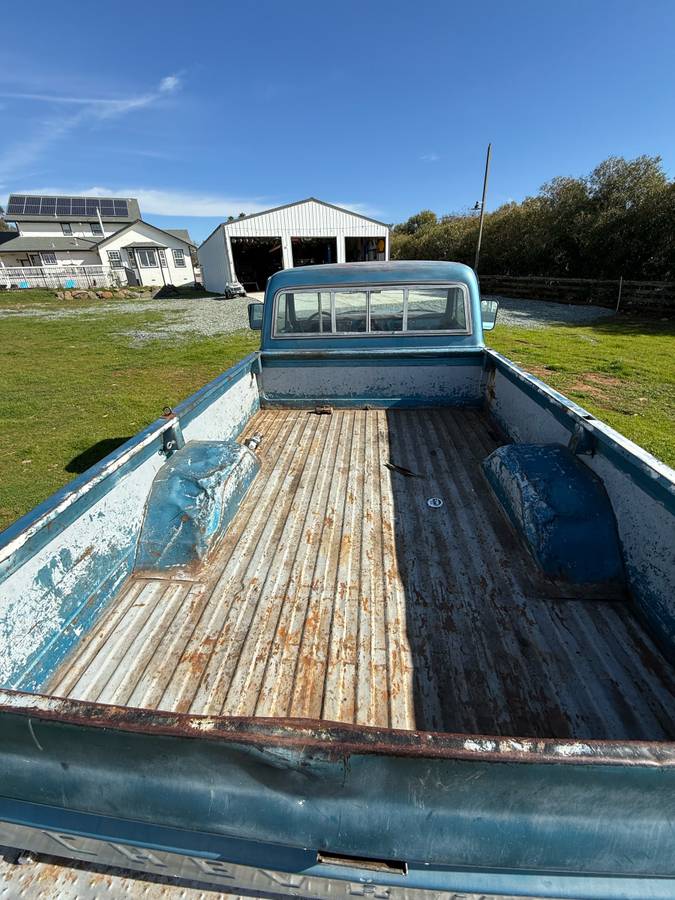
point(368, 287)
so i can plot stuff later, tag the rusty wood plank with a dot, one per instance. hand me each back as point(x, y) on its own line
point(339, 595)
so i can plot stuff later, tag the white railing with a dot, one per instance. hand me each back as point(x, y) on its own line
point(63, 277)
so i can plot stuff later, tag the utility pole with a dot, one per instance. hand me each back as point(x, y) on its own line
point(482, 206)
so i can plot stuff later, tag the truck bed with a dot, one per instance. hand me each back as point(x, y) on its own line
point(338, 593)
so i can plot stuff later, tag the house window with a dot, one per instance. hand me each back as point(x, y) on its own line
point(66, 228)
point(179, 259)
point(48, 258)
point(147, 259)
point(96, 228)
point(115, 259)
point(162, 257)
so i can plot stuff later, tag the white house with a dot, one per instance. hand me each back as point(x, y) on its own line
point(251, 248)
point(155, 256)
point(77, 241)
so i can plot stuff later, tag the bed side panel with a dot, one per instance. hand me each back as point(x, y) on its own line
point(61, 564)
point(640, 488)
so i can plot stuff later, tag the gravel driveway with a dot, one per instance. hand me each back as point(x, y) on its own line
point(540, 313)
point(204, 315)
point(209, 316)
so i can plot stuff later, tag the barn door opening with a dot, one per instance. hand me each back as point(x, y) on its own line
point(364, 249)
point(255, 260)
point(309, 251)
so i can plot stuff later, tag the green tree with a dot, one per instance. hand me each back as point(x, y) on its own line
point(417, 223)
point(618, 220)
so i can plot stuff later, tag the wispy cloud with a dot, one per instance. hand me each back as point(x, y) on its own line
point(169, 84)
point(363, 209)
point(430, 157)
point(160, 202)
point(102, 106)
point(17, 157)
point(169, 202)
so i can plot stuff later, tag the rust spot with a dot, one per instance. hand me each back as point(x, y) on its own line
point(84, 555)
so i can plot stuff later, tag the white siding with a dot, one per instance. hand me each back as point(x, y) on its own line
point(63, 258)
point(306, 219)
point(309, 218)
point(79, 229)
point(213, 261)
point(141, 232)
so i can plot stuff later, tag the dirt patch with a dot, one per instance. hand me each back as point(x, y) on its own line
point(542, 372)
point(603, 390)
point(598, 378)
point(589, 385)
point(599, 387)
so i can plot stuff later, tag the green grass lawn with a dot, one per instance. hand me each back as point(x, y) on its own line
point(621, 369)
point(73, 389)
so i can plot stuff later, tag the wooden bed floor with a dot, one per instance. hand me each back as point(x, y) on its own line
point(339, 594)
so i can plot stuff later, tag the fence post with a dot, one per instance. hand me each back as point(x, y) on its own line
point(618, 299)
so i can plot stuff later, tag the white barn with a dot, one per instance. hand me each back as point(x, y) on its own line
point(250, 249)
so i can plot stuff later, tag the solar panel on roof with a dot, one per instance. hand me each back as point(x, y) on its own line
point(65, 206)
point(16, 205)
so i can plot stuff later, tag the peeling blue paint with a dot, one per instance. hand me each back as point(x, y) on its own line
point(54, 586)
point(192, 501)
point(41, 665)
point(62, 563)
point(355, 381)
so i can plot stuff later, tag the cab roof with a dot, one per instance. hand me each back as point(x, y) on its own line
point(393, 272)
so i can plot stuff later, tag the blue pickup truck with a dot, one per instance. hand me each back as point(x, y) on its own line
point(375, 612)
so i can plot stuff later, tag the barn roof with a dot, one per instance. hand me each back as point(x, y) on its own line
point(265, 212)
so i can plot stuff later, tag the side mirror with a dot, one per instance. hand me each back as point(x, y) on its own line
point(255, 316)
point(488, 312)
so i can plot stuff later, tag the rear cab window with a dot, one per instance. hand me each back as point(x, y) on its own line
point(381, 310)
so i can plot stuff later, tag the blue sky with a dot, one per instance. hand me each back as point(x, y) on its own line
point(207, 109)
